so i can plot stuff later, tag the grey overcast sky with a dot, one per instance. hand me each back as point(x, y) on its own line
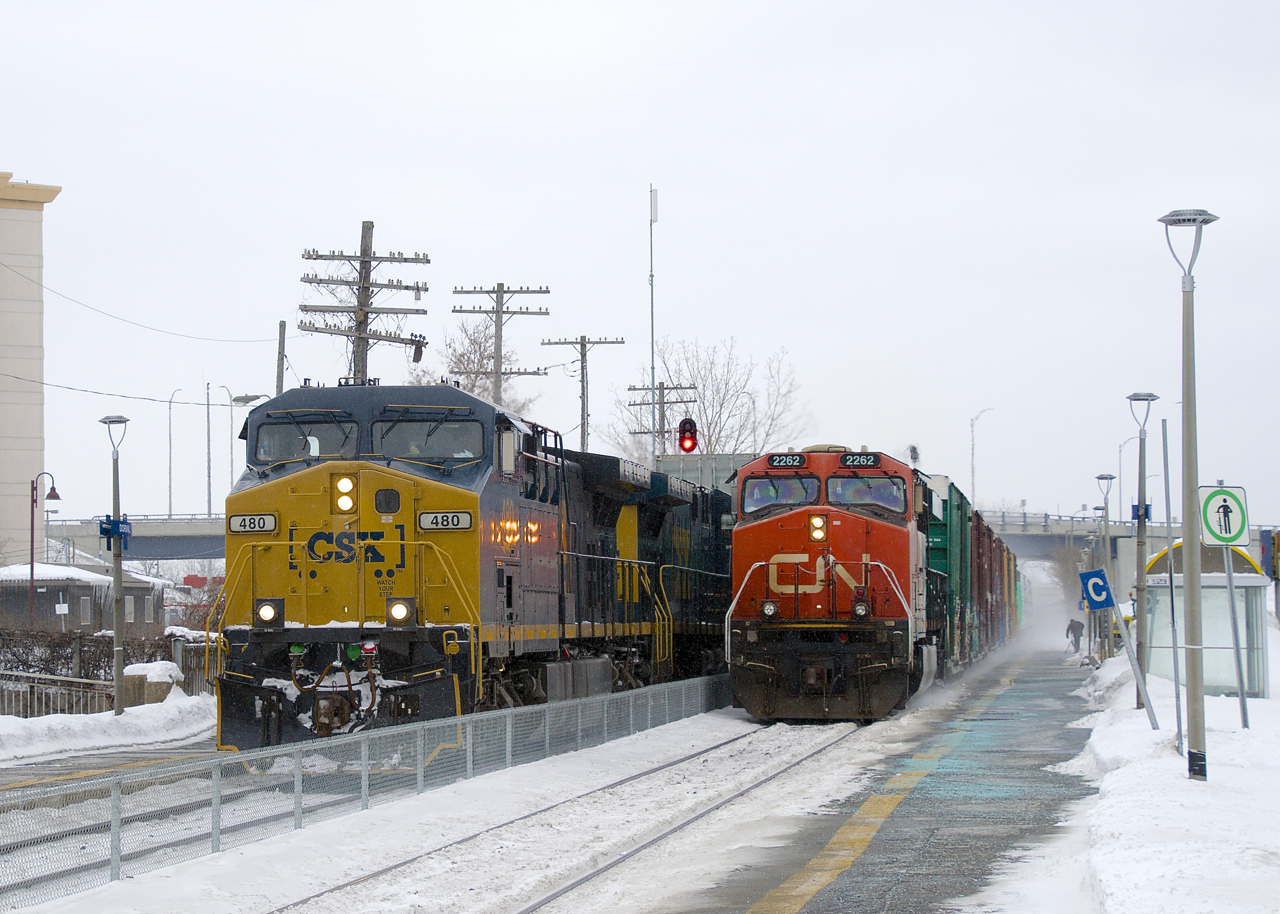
point(936, 208)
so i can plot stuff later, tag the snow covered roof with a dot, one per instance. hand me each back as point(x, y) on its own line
point(47, 572)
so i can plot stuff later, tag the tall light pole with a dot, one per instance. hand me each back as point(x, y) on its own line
point(171, 396)
point(653, 371)
point(1120, 478)
point(117, 560)
point(208, 452)
point(232, 402)
point(1140, 584)
point(52, 496)
point(1104, 486)
point(973, 458)
point(1197, 767)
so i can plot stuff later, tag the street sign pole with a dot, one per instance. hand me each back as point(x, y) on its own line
point(1225, 522)
point(1098, 592)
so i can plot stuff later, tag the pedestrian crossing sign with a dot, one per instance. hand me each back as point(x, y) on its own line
point(1224, 519)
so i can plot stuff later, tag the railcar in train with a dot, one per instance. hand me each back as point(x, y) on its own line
point(855, 583)
point(397, 554)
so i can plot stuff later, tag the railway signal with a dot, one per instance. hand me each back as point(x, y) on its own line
point(688, 435)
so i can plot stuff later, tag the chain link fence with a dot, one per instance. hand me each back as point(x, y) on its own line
point(62, 839)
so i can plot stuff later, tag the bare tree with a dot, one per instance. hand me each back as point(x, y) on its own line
point(742, 406)
point(467, 357)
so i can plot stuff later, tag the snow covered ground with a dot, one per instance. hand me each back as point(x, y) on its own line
point(1152, 840)
point(178, 717)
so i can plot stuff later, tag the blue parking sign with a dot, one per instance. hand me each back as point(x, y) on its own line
point(1096, 589)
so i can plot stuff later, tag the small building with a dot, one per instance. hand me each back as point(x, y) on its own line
point(1215, 620)
point(72, 598)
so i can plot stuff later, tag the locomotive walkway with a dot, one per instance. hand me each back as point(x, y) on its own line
point(930, 827)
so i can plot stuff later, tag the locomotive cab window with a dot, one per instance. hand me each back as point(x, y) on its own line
point(761, 492)
point(283, 441)
point(428, 441)
point(886, 492)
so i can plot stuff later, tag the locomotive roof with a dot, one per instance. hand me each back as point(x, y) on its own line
point(370, 400)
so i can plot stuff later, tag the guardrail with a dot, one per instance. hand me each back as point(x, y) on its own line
point(106, 828)
point(35, 695)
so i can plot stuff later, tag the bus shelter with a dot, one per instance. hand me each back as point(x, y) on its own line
point(1215, 620)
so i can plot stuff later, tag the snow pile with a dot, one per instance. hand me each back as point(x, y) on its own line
point(177, 717)
point(1154, 841)
point(157, 671)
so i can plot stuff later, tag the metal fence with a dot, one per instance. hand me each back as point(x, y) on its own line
point(35, 695)
point(72, 837)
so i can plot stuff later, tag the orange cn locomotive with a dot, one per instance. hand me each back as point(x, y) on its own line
point(837, 613)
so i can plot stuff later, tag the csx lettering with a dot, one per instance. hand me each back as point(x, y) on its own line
point(327, 547)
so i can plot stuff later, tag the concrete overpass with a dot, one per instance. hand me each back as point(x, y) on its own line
point(182, 536)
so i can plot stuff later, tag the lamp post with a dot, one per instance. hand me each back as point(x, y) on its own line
point(117, 571)
point(171, 396)
point(1120, 478)
point(973, 458)
point(1140, 585)
point(1071, 534)
point(232, 402)
point(1197, 767)
point(1104, 486)
point(52, 496)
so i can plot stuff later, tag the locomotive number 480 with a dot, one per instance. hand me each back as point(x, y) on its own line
point(444, 520)
point(251, 523)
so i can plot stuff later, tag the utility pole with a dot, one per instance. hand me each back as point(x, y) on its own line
point(501, 314)
point(280, 363)
point(582, 343)
point(659, 403)
point(653, 374)
point(366, 287)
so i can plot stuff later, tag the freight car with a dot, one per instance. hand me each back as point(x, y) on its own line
point(397, 554)
point(855, 583)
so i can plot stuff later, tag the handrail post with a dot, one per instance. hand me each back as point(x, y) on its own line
point(115, 830)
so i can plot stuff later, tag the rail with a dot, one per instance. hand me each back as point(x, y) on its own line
point(105, 828)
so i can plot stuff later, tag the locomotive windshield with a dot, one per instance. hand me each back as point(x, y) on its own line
point(305, 439)
point(770, 491)
point(423, 440)
point(887, 492)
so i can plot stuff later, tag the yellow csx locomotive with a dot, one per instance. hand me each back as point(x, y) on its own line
point(405, 553)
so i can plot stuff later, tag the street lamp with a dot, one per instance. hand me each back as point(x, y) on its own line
point(1104, 486)
point(1071, 534)
point(1120, 478)
point(1140, 585)
point(973, 459)
point(232, 402)
point(52, 496)
point(117, 571)
point(1197, 767)
point(171, 396)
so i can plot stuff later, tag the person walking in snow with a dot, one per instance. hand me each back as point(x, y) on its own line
point(1075, 628)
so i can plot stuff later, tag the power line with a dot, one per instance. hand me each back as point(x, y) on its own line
point(125, 320)
point(100, 393)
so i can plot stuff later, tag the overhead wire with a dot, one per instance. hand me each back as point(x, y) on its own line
point(125, 320)
point(103, 393)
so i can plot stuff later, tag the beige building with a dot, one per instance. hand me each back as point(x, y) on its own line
point(21, 357)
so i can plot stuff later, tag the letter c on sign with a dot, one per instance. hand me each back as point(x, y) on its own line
point(1095, 590)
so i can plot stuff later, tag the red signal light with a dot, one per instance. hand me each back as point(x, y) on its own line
point(688, 435)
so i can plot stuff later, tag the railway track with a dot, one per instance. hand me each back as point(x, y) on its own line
point(673, 796)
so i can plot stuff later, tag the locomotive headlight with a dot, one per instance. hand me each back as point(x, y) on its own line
point(861, 610)
point(268, 613)
point(817, 527)
point(769, 610)
point(345, 486)
point(402, 611)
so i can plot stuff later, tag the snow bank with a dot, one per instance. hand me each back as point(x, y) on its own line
point(177, 717)
point(1154, 841)
point(156, 671)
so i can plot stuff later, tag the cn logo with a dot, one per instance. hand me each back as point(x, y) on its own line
point(821, 565)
